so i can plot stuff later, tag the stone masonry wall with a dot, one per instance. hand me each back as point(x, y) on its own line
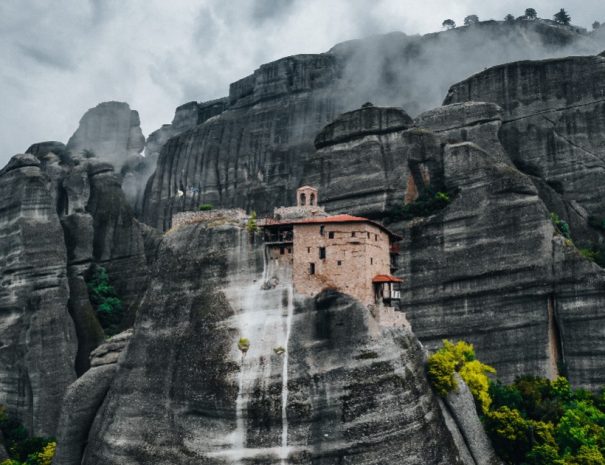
point(362, 257)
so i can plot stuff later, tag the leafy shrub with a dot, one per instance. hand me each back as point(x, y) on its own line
point(426, 204)
point(23, 449)
point(460, 357)
point(251, 225)
point(107, 304)
point(561, 225)
point(205, 207)
point(243, 344)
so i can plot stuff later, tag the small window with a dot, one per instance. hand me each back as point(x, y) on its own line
point(311, 268)
point(368, 234)
point(339, 262)
point(308, 249)
point(331, 235)
point(353, 234)
point(322, 253)
point(321, 230)
point(375, 237)
point(371, 261)
point(289, 249)
point(281, 250)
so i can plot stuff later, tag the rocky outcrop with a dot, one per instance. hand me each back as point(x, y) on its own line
point(490, 269)
point(111, 131)
point(251, 155)
point(37, 338)
point(83, 399)
point(62, 215)
point(368, 120)
point(373, 169)
point(355, 391)
point(553, 121)
point(186, 117)
point(461, 405)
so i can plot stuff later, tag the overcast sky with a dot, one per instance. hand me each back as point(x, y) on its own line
point(58, 58)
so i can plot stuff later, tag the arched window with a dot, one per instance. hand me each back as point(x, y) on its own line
point(303, 199)
point(312, 199)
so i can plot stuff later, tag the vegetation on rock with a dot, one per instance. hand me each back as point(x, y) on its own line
point(460, 358)
point(448, 24)
point(251, 225)
point(107, 304)
point(205, 207)
point(243, 344)
point(426, 204)
point(562, 17)
point(533, 421)
point(561, 225)
point(23, 449)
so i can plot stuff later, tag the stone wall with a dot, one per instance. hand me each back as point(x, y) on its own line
point(296, 212)
point(232, 215)
point(362, 257)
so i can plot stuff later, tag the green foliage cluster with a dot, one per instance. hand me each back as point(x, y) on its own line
point(23, 449)
point(562, 17)
point(536, 421)
point(426, 204)
point(533, 421)
point(205, 207)
point(251, 225)
point(460, 358)
point(107, 304)
point(243, 344)
point(561, 225)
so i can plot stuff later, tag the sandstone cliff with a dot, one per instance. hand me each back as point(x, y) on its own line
point(38, 341)
point(251, 155)
point(321, 382)
point(62, 214)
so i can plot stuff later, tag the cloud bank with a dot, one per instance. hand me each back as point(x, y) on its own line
point(63, 57)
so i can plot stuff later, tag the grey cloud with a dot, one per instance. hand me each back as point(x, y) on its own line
point(60, 58)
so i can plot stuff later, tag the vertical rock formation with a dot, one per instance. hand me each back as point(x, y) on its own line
point(250, 155)
point(37, 338)
point(111, 131)
point(553, 121)
point(352, 390)
point(83, 399)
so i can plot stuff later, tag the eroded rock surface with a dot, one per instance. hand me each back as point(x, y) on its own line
point(251, 155)
point(553, 121)
point(37, 338)
point(84, 397)
point(356, 392)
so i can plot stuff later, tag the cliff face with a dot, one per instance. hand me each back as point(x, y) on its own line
point(251, 155)
point(490, 267)
point(321, 381)
point(553, 121)
point(38, 338)
point(61, 215)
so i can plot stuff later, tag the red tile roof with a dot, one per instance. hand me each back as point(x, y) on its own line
point(344, 218)
point(386, 278)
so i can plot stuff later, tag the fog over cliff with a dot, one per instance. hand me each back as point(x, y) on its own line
point(62, 58)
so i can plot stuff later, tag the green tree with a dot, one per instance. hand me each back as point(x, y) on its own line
point(562, 17)
point(448, 24)
point(530, 13)
point(596, 25)
point(470, 20)
point(510, 434)
point(107, 304)
point(509, 18)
